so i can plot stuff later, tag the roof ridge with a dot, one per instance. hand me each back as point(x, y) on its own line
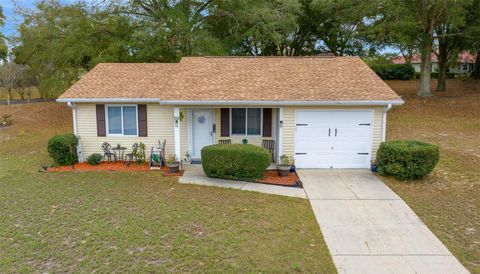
point(266, 57)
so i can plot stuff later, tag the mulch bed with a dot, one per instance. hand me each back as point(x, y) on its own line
point(272, 177)
point(103, 166)
point(165, 172)
point(112, 166)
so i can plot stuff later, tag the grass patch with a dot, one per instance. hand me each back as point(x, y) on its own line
point(138, 222)
point(448, 200)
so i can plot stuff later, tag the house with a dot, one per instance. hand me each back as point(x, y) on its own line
point(322, 111)
point(464, 65)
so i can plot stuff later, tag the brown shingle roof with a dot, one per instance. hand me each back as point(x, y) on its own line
point(237, 79)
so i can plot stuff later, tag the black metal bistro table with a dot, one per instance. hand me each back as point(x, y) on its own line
point(120, 152)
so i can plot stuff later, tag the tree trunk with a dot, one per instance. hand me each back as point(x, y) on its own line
point(442, 56)
point(442, 72)
point(442, 66)
point(9, 95)
point(476, 67)
point(426, 69)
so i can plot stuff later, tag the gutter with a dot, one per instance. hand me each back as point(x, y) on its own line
point(286, 103)
point(108, 100)
point(254, 103)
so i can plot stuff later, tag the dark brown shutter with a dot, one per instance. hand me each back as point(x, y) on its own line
point(267, 122)
point(225, 122)
point(101, 132)
point(142, 120)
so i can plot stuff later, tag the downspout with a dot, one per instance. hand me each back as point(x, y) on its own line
point(384, 121)
point(74, 113)
point(75, 130)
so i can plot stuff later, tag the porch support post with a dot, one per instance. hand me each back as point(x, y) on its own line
point(176, 118)
point(280, 133)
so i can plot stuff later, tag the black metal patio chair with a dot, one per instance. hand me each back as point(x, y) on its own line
point(130, 157)
point(108, 154)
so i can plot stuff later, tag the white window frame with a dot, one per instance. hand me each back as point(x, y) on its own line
point(246, 123)
point(121, 119)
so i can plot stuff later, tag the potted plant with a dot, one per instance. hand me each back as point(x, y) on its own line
point(172, 164)
point(284, 166)
point(244, 141)
point(373, 166)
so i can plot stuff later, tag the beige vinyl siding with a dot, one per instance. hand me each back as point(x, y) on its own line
point(289, 126)
point(254, 140)
point(159, 125)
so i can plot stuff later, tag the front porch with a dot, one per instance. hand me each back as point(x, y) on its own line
point(194, 175)
point(199, 126)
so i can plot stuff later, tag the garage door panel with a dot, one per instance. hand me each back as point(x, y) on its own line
point(311, 131)
point(313, 160)
point(305, 147)
point(350, 148)
point(356, 131)
point(349, 160)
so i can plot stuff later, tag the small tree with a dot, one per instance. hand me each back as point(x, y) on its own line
point(11, 78)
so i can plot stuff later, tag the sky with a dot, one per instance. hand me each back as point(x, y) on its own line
point(11, 19)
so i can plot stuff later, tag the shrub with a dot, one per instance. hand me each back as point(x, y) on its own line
point(63, 149)
point(6, 120)
point(94, 159)
point(140, 153)
point(407, 159)
point(447, 75)
point(394, 71)
point(237, 161)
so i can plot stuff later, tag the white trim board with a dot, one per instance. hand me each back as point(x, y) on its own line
point(214, 102)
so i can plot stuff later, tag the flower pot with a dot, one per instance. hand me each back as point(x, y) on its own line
point(173, 168)
point(283, 170)
point(373, 168)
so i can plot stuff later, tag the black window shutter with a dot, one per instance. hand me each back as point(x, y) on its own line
point(142, 121)
point(101, 131)
point(267, 122)
point(225, 122)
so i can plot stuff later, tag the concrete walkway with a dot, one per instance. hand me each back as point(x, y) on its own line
point(194, 175)
point(369, 229)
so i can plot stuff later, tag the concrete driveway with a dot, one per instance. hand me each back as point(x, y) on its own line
point(370, 229)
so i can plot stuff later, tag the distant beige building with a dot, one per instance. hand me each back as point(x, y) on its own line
point(464, 64)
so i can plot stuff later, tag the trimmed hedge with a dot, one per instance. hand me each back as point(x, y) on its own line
point(407, 159)
point(63, 149)
point(235, 161)
point(394, 71)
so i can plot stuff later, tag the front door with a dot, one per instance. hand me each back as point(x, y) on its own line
point(202, 134)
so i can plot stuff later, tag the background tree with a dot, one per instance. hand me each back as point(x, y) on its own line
point(3, 46)
point(450, 34)
point(11, 78)
point(59, 43)
point(472, 35)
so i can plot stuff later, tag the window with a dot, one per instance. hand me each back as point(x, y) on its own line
point(246, 121)
point(122, 120)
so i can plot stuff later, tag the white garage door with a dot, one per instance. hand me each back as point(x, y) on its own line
point(333, 139)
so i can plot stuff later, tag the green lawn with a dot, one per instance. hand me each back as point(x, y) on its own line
point(448, 200)
point(138, 222)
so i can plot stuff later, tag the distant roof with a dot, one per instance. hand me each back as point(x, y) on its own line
point(463, 57)
point(236, 79)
